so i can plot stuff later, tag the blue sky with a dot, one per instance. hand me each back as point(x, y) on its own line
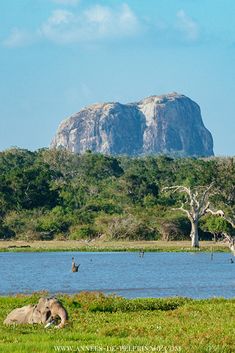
point(57, 56)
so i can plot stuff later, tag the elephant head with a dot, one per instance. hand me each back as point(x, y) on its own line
point(52, 309)
point(47, 310)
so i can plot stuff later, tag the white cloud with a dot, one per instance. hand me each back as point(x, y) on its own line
point(18, 38)
point(60, 17)
point(60, 27)
point(128, 20)
point(66, 2)
point(96, 23)
point(98, 14)
point(187, 26)
point(106, 22)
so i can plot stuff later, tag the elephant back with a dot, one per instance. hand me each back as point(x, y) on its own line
point(20, 315)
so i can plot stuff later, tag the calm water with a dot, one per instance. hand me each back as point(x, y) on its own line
point(126, 274)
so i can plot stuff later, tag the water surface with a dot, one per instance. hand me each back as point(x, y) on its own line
point(124, 273)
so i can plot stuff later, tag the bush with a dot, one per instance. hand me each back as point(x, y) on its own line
point(24, 224)
point(103, 206)
point(6, 232)
point(128, 227)
point(216, 225)
point(82, 232)
point(16, 221)
point(55, 221)
point(99, 302)
point(175, 228)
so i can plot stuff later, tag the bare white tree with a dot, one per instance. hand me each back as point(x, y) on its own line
point(196, 206)
point(230, 241)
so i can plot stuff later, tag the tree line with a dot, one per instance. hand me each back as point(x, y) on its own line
point(55, 194)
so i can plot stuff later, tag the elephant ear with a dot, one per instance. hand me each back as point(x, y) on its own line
point(43, 303)
point(52, 301)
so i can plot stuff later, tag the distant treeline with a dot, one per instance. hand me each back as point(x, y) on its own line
point(55, 194)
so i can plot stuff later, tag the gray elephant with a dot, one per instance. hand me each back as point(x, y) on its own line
point(46, 311)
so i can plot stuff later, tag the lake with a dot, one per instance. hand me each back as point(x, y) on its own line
point(160, 274)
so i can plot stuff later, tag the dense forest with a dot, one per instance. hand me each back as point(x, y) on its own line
point(54, 194)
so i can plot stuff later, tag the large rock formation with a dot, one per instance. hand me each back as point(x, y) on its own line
point(168, 124)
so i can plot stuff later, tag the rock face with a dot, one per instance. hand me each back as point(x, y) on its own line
point(169, 124)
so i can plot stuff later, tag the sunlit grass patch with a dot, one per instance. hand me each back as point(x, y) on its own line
point(175, 324)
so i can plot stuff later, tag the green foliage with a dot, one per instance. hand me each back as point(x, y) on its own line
point(195, 172)
point(58, 194)
point(82, 232)
point(99, 302)
point(55, 221)
point(104, 206)
point(98, 166)
point(216, 225)
point(5, 231)
point(23, 224)
point(25, 182)
point(140, 180)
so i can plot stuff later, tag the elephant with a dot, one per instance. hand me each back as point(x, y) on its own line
point(46, 311)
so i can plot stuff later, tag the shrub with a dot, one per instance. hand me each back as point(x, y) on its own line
point(24, 224)
point(175, 228)
point(82, 232)
point(55, 221)
point(216, 225)
point(99, 302)
point(5, 231)
point(126, 227)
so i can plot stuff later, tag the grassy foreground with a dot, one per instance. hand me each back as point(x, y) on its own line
point(99, 245)
point(110, 324)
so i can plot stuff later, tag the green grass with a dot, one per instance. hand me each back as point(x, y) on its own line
point(101, 246)
point(99, 249)
point(118, 324)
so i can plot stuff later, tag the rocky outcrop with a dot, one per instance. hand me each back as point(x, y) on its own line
point(168, 124)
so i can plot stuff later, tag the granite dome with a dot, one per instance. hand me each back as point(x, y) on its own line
point(167, 124)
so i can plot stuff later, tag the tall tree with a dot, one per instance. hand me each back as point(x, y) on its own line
point(228, 234)
point(195, 206)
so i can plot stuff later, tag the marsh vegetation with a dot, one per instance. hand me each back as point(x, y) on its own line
point(95, 320)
